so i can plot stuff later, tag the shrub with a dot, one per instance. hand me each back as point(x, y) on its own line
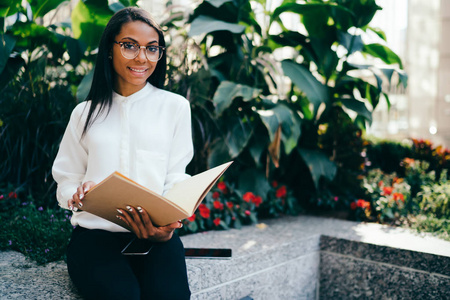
point(389, 196)
point(227, 207)
point(41, 234)
point(434, 199)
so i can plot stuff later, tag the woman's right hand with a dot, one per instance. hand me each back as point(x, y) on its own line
point(75, 203)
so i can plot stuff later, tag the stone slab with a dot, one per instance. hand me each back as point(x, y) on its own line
point(265, 256)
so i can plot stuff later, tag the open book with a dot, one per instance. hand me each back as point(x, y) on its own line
point(180, 202)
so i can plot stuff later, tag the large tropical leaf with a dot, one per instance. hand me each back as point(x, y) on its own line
point(7, 44)
point(204, 24)
point(85, 86)
point(228, 91)
point(319, 11)
point(41, 7)
point(9, 7)
point(282, 115)
point(353, 43)
point(357, 106)
point(236, 133)
point(127, 3)
point(89, 19)
point(384, 53)
point(217, 3)
point(254, 180)
point(319, 165)
point(315, 91)
point(363, 11)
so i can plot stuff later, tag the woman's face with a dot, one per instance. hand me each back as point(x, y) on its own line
point(131, 74)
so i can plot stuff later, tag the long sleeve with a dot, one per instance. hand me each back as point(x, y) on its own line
point(69, 167)
point(182, 149)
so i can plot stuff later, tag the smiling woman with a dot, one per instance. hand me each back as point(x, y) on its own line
point(114, 130)
point(131, 73)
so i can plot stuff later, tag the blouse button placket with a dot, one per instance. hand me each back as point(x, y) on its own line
point(125, 139)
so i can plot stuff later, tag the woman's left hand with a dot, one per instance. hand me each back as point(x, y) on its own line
point(138, 220)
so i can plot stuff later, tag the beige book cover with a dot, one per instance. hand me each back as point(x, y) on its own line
point(180, 202)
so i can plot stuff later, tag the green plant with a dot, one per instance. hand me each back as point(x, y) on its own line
point(388, 155)
point(252, 118)
point(390, 196)
point(431, 224)
point(228, 207)
point(434, 198)
point(438, 158)
point(41, 234)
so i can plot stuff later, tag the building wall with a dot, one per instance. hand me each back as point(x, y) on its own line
point(443, 95)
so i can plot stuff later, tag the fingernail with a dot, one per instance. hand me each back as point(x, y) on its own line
point(129, 208)
point(181, 225)
point(139, 209)
point(70, 207)
point(80, 204)
point(75, 209)
point(119, 211)
point(118, 217)
point(81, 196)
point(85, 190)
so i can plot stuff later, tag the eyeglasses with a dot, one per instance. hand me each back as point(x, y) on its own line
point(131, 50)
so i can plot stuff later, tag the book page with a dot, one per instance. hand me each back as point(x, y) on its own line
point(188, 193)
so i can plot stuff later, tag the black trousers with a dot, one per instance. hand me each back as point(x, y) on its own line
point(99, 270)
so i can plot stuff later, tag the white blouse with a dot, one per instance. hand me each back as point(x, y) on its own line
point(145, 136)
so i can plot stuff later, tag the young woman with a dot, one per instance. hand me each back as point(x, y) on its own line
point(128, 124)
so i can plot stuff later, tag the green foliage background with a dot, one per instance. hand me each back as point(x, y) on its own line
point(296, 118)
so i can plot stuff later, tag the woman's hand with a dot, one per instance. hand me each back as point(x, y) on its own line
point(138, 220)
point(75, 203)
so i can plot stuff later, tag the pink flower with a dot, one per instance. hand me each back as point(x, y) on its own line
point(248, 213)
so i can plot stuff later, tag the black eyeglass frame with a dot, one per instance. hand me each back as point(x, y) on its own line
point(161, 50)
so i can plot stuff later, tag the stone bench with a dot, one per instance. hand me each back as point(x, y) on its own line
point(301, 257)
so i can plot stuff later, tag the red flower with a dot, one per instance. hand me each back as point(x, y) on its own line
point(281, 192)
point(204, 211)
point(380, 183)
point(387, 190)
point(274, 183)
point(248, 213)
point(216, 195)
point(399, 196)
point(353, 205)
point(249, 196)
point(12, 195)
point(218, 205)
point(362, 203)
point(257, 201)
point(230, 204)
point(1, 197)
point(192, 218)
point(223, 187)
point(216, 221)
